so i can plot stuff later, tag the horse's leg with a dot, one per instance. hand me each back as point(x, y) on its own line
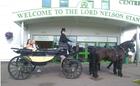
point(99, 65)
point(109, 65)
point(120, 63)
point(95, 66)
point(115, 67)
point(90, 68)
point(90, 65)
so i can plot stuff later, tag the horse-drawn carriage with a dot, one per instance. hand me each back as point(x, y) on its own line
point(22, 66)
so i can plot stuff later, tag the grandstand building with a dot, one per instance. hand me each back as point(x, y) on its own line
point(88, 22)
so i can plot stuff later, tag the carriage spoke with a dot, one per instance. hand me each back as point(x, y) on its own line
point(13, 63)
point(19, 68)
point(71, 68)
point(19, 72)
point(14, 72)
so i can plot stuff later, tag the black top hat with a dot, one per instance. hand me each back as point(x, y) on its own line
point(63, 29)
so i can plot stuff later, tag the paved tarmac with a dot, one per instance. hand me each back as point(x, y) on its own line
point(52, 76)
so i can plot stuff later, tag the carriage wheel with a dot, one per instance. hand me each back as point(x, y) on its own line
point(71, 68)
point(20, 68)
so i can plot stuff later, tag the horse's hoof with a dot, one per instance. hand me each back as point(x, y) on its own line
point(97, 78)
point(108, 67)
point(90, 73)
point(120, 75)
point(115, 73)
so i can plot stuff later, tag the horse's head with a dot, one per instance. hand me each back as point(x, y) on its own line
point(129, 45)
point(132, 46)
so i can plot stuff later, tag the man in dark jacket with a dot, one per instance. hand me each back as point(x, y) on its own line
point(63, 41)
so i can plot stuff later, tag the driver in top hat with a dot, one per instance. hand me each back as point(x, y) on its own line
point(63, 41)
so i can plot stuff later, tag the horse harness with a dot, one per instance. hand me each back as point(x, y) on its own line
point(116, 50)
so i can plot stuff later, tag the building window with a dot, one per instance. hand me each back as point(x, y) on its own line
point(91, 3)
point(64, 3)
point(87, 3)
point(46, 3)
point(106, 4)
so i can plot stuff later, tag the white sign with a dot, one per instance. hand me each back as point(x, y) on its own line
point(59, 12)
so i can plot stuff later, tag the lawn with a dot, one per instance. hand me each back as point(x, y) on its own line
point(137, 81)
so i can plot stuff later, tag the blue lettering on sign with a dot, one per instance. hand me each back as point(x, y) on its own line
point(130, 2)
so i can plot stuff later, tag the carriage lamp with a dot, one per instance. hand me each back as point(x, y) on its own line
point(9, 35)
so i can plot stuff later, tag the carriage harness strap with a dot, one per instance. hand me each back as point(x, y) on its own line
point(123, 49)
point(116, 52)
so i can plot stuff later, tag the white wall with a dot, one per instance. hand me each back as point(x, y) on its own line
point(132, 9)
point(73, 28)
point(97, 4)
point(7, 25)
point(20, 5)
point(128, 33)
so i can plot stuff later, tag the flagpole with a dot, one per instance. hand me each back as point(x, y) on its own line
point(137, 46)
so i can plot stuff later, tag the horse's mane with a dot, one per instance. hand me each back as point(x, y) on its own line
point(125, 43)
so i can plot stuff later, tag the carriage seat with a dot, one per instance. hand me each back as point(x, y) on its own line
point(25, 51)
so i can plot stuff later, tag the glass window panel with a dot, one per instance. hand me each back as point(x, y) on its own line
point(106, 4)
point(91, 44)
point(43, 38)
point(91, 3)
point(102, 44)
point(91, 39)
point(100, 39)
point(112, 44)
point(56, 39)
point(64, 3)
point(82, 45)
point(112, 39)
point(73, 39)
point(105, 0)
point(46, 3)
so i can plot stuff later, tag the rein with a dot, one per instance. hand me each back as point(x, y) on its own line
point(123, 49)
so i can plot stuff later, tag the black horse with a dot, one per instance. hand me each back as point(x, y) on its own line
point(115, 55)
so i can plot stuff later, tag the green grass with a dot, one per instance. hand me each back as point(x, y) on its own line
point(137, 81)
point(102, 62)
point(105, 62)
